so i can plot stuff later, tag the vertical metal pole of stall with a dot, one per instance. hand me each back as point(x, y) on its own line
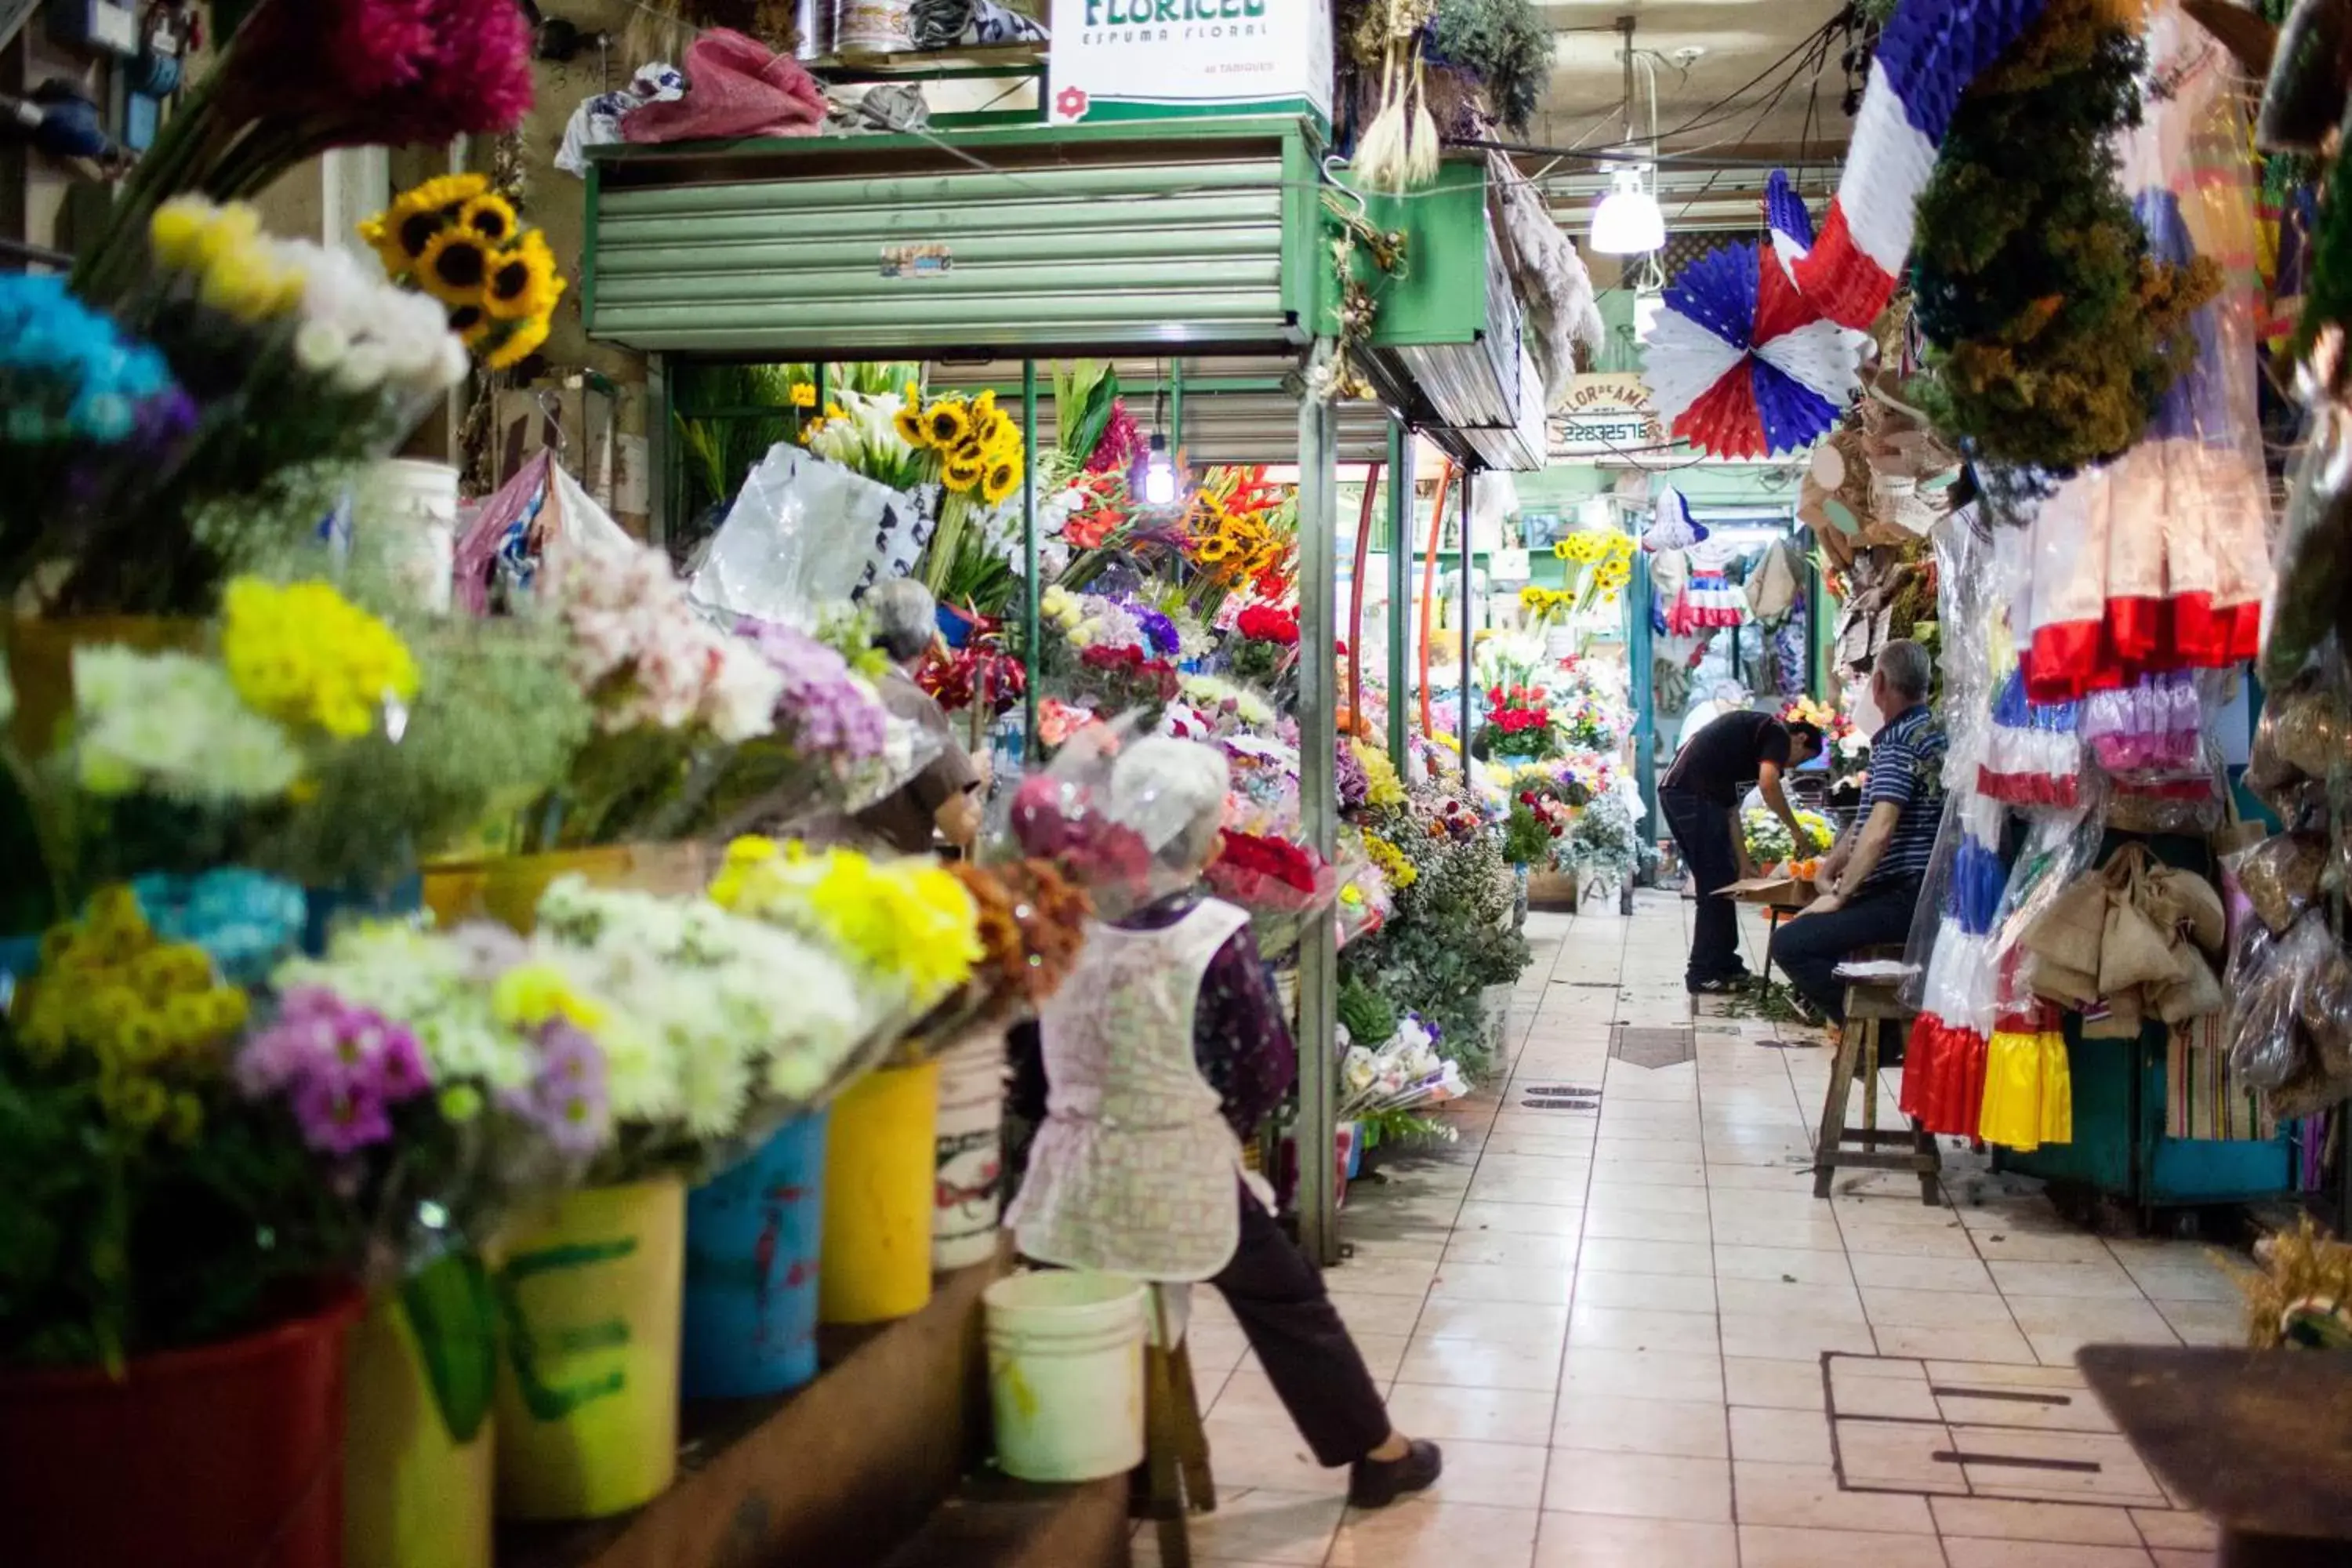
point(1029, 558)
point(1644, 689)
point(1469, 692)
point(1401, 518)
point(1319, 674)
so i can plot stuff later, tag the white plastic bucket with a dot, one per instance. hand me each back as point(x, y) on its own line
point(406, 510)
point(1065, 1374)
point(971, 1184)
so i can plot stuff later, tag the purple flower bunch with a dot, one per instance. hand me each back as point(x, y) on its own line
point(824, 708)
point(566, 1099)
point(1348, 775)
point(1157, 629)
point(341, 1069)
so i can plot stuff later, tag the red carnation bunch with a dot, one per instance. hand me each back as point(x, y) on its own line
point(1126, 678)
point(1281, 884)
point(1269, 623)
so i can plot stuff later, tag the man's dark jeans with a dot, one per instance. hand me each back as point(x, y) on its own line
point(1810, 949)
point(1703, 831)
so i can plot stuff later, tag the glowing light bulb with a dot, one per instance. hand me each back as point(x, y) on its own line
point(1159, 475)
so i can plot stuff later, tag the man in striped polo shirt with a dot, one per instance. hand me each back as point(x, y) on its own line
point(1870, 883)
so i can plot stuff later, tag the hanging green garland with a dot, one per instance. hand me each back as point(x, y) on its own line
point(2053, 332)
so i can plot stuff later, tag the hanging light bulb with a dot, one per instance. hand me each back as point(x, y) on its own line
point(1159, 475)
point(1628, 221)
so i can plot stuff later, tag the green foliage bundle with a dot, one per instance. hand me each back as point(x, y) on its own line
point(1504, 43)
point(1371, 1020)
point(227, 1231)
point(1527, 837)
point(2055, 333)
point(1451, 936)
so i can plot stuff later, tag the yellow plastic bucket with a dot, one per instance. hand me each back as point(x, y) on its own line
point(878, 1198)
point(413, 1496)
point(590, 1301)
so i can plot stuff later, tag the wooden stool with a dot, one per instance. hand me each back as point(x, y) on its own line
point(1869, 1005)
point(1175, 1443)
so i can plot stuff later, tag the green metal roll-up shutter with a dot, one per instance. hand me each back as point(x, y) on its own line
point(782, 251)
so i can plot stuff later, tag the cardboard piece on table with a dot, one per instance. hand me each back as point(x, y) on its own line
point(1787, 892)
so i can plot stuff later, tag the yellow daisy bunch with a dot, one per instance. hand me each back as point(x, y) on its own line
point(151, 1017)
point(1394, 863)
point(236, 268)
point(1584, 549)
point(907, 921)
point(1382, 788)
point(463, 243)
point(1612, 574)
point(307, 656)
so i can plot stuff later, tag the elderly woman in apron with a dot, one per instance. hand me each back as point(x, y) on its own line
point(1164, 1050)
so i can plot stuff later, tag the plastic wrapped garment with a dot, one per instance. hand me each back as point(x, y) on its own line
point(2029, 1091)
point(805, 533)
point(2034, 753)
point(2161, 558)
point(1944, 1068)
point(1707, 602)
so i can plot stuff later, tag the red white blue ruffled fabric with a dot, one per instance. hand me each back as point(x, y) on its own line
point(2034, 750)
point(1755, 352)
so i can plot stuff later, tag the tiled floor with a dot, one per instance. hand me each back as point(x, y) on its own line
point(1645, 1344)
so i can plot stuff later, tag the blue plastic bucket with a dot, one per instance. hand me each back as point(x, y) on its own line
point(751, 1243)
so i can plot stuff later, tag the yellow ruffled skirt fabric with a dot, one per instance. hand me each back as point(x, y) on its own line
point(2029, 1098)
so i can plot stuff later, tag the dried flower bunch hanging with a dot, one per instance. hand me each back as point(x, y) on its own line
point(1503, 46)
point(1341, 376)
point(1398, 149)
point(2054, 332)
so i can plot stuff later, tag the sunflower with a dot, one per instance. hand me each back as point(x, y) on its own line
point(1213, 551)
point(454, 268)
point(490, 218)
point(520, 344)
point(907, 421)
point(965, 468)
point(946, 424)
point(1004, 478)
point(990, 427)
point(522, 282)
point(402, 231)
point(472, 324)
point(803, 394)
point(1532, 597)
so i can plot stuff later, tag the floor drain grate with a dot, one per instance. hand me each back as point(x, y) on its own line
point(1645, 1047)
point(1558, 1097)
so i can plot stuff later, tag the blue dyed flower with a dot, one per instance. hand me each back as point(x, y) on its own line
point(69, 367)
point(246, 922)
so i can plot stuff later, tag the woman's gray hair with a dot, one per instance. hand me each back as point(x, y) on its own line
point(1908, 669)
point(906, 618)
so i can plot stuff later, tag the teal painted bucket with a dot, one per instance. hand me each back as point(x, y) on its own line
point(752, 1236)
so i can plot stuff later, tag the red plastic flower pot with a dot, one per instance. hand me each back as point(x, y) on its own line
point(229, 1456)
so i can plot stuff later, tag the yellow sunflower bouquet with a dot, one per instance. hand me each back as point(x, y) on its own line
point(976, 452)
point(461, 242)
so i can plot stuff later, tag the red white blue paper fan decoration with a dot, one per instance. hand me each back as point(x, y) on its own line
point(1755, 353)
point(1739, 364)
point(1785, 216)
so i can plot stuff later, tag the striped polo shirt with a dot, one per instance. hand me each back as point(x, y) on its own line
point(1906, 768)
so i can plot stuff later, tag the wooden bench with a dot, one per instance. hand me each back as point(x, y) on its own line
point(1870, 1006)
point(1175, 1481)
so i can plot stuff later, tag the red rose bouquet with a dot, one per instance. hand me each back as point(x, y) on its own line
point(1283, 885)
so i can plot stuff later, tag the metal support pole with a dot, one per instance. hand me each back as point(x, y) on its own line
point(1319, 679)
point(1175, 406)
point(1400, 520)
point(1469, 567)
point(661, 436)
point(823, 394)
point(1031, 593)
point(1638, 654)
